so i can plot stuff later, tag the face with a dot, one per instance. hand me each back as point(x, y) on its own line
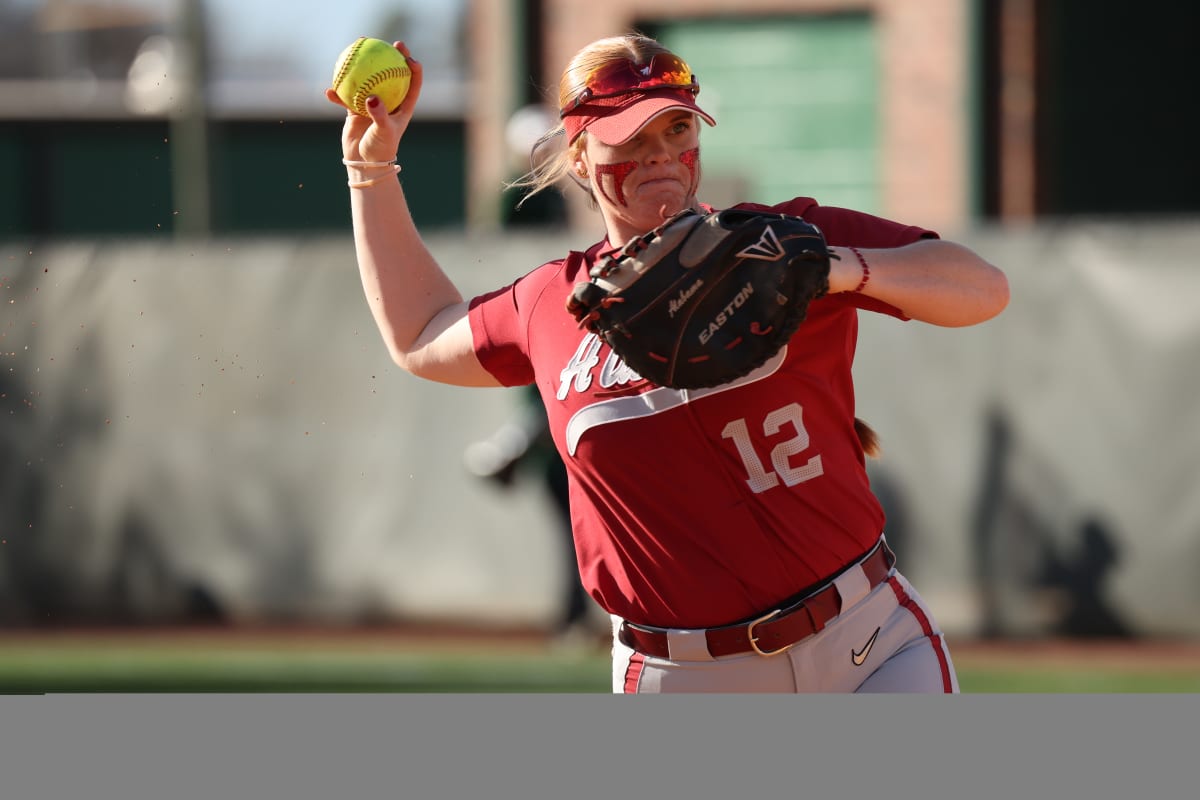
point(650, 177)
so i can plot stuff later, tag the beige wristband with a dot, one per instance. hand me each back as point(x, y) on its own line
point(395, 170)
point(350, 163)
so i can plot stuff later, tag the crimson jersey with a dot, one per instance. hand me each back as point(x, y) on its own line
point(696, 508)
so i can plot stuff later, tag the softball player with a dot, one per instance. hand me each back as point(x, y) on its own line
point(731, 532)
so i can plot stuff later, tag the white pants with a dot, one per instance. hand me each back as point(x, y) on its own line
point(885, 642)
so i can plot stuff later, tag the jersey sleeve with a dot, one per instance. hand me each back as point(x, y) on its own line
point(500, 322)
point(495, 331)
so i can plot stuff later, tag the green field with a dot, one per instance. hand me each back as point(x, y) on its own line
point(132, 670)
point(140, 664)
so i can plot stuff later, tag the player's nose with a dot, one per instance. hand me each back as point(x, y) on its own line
point(655, 150)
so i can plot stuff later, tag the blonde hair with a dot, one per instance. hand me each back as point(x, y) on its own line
point(545, 173)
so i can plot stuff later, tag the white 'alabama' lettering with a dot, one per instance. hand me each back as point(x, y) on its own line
point(653, 401)
point(723, 316)
point(616, 372)
point(685, 295)
point(579, 369)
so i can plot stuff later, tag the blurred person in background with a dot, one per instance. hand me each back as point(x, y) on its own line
point(524, 444)
point(730, 533)
point(521, 208)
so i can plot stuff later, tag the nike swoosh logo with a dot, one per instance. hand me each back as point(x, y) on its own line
point(859, 657)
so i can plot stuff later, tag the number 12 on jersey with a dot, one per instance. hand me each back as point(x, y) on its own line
point(760, 479)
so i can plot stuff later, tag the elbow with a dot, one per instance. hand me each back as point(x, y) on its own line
point(408, 360)
point(401, 355)
point(402, 360)
point(991, 298)
point(988, 294)
point(985, 298)
point(996, 294)
point(977, 290)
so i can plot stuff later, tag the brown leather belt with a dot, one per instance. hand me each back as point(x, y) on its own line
point(774, 631)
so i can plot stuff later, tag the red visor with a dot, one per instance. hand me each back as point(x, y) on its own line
point(615, 120)
point(621, 96)
point(623, 76)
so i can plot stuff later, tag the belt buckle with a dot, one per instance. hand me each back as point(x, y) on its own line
point(754, 639)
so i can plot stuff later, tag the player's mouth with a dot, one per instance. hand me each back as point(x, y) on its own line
point(657, 183)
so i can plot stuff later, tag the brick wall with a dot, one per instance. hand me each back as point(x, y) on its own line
point(924, 89)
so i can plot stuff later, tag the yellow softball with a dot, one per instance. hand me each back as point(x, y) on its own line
point(371, 67)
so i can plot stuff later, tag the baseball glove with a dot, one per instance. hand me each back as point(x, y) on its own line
point(705, 298)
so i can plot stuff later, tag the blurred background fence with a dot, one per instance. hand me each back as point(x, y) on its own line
point(214, 431)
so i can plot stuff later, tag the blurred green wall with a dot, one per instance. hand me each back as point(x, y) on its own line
point(111, 177)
